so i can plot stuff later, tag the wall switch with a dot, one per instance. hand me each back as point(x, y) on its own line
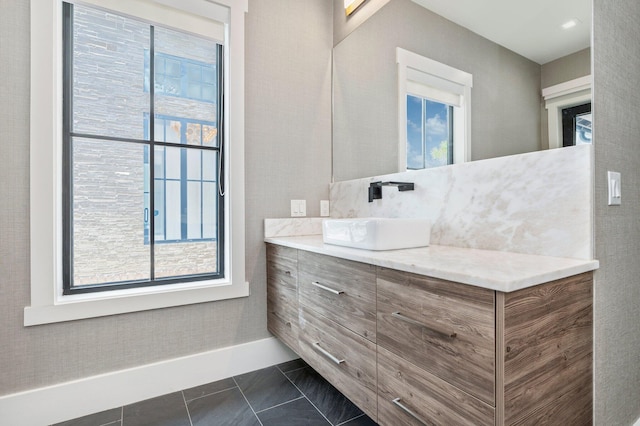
point(298, 208)
point(324, 208)
point(615, 189)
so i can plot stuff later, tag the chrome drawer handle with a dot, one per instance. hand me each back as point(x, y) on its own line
point(337, 361)
point(329, 289)
point(419, 324)
point(408, 410)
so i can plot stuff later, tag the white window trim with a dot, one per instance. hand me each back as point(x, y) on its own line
point(47, 303)
point(564, 95)
point(462, 116)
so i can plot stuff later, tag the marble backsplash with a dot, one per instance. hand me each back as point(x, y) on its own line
point(535, 203)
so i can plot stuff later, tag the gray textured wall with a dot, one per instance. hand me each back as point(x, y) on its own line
point(572, 66)
point(288, 155)
point(505, 97)
point(616, 72)
point(343, 24)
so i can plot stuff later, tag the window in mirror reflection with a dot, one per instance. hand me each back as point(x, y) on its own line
point(576, 125)
point(434, 110)
point(429, 133)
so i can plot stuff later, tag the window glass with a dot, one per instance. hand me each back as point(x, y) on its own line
point(108, 200)
point(576, 125)
point(429, 133)
point(108, 54)
point(129, 223)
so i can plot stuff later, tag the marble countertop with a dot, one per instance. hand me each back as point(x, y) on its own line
point(495, 270)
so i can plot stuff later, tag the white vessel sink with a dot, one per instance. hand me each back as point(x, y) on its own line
point(377, 233)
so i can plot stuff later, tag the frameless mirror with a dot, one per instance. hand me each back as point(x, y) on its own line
point(507, 112)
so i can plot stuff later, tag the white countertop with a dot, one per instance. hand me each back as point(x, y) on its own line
point(495, 270)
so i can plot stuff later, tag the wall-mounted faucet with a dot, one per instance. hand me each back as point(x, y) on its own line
point(375, 188)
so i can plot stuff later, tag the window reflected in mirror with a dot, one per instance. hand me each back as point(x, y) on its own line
point(429, 133)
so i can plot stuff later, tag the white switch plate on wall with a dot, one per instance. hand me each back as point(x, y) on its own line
point(615, 188)
point(298, 208)
point(324, 208)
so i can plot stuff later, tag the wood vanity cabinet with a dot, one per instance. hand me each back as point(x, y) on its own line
point(337, 320)
point(340, 289)
point(282, 294)
point(440, 352)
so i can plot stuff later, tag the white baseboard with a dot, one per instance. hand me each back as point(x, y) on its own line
point(637, 423)
point(65, 401)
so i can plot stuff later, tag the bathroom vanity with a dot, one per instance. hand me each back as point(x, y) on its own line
point(439, 335)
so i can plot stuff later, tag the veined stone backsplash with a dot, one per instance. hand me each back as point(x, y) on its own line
point(535, 203)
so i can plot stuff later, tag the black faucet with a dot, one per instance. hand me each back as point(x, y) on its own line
point(375, 188)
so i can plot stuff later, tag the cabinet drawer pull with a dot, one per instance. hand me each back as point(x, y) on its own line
point(337, 361)
point(329, 289)
point(408, 410)
point(404, 318)
point(281, 318)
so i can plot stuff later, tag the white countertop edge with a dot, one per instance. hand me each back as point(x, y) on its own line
point(494, 270)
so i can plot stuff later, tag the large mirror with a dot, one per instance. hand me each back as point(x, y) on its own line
point(507, 109)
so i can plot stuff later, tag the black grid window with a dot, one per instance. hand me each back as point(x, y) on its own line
point(143, 170)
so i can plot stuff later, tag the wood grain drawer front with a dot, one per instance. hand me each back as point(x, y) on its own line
point(446, 328)
point(345, 359)
point(282, 294)
point(340, 289)
point(408, 395)
point(548, 353)
point(282, 266)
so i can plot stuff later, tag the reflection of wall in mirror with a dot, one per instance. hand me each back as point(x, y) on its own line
point(506, 102)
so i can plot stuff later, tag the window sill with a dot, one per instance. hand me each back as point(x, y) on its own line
point(70, 308)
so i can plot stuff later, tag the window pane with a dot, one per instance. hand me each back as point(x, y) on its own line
point(415, 153)
point(209, 165)
point(194, 210)
point(108, 74)
point(189, 258)
point(108, 212)
point(158, 213)
point(437, 134)
point(173, 211)
point(209, 209)
point(115, 183)
point(193, 164)
point(172, 160)
point(159, 129)
point(429, 133)
point(583, 128)
point(173, 131)
point(209, 135)
point(197, 56)
point(194, 134)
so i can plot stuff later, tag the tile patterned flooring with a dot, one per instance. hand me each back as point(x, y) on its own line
point(288, 394)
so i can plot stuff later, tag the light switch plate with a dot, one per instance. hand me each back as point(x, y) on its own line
point(615, 188)
point(298, 208)
point(324, 208)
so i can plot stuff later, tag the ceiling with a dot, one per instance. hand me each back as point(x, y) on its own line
point(532, 28)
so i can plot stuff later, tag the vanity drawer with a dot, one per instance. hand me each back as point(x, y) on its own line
point(446, 328)
point(408, 395)
point(282, 294)
point(345, 359)
point(340, 289)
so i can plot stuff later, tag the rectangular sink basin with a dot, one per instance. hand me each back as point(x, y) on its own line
point(377, 233)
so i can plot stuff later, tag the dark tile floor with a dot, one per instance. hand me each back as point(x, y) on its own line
point(291, 393)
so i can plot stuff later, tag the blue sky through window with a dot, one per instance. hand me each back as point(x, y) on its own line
point(428, 133)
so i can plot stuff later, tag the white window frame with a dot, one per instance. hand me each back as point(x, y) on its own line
point(444, 78)
point(48, 305)
point(564, 95)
